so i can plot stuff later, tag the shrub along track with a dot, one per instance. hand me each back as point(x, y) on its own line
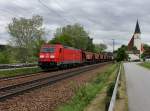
point(8, 90)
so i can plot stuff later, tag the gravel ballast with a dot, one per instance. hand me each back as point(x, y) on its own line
point(49, 97)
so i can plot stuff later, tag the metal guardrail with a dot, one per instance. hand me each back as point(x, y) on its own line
point(9, 66)
point(113, 98)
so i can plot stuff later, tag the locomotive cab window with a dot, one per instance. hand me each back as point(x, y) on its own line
point(48, 49)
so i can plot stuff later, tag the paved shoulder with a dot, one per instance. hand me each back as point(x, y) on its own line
point(138, 87)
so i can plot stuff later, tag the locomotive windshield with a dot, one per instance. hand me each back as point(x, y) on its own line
point(48, 49)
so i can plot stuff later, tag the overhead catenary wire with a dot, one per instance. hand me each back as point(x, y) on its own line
point(74, 18)
point(51, 10)
point(12, 14)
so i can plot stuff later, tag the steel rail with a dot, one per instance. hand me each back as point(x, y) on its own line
point(10, 91)
point(38, 73)
point(26, 75)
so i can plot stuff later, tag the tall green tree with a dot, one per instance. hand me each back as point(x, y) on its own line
point(4, 57)
point(27, 35)
point(146, 52)
point(74, 36)
point(121, 53)
point(100, 48)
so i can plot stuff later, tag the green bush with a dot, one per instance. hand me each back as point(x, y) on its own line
point(110, 89)
point(86, 93)
point(107, 102)
point(4, 57)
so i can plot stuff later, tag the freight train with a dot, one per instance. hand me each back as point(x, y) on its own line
point(60, 56)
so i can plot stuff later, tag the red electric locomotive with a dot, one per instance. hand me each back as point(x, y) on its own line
point(59, 56)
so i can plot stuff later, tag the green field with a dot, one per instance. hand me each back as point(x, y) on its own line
point(145, 64)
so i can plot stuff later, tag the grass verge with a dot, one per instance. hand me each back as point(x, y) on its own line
point(86, 93)
point(145, 64)
point(20, 71)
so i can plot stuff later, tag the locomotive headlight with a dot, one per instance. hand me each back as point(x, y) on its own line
point(41, 56)
point(52, 56)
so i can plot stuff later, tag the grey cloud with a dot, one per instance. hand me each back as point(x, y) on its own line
point(103, 19)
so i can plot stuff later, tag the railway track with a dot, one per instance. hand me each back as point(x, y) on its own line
point(12, 90)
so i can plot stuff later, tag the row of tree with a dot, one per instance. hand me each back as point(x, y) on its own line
point(146, 53)
point(28, 34)
point(74, 36)
point(121, 53)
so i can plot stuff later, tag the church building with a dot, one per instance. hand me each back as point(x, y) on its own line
point(135, 47)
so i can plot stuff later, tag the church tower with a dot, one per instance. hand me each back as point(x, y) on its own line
point(137, 38)
point(135, 41)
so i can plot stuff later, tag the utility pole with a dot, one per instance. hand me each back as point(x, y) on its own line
point(113, 45)
point(113, 40)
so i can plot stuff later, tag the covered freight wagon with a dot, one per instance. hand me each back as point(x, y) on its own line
point(89, 57)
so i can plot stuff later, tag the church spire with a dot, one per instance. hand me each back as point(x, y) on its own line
point(137, 28)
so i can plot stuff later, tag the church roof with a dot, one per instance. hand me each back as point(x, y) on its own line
point(137, 28)
point(131, 43)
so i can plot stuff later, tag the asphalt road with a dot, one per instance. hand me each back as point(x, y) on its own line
point(138, 87)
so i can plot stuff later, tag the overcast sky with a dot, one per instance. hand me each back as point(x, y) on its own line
point(103, 19)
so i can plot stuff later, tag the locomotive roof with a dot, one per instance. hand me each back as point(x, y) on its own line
point(48, 45)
